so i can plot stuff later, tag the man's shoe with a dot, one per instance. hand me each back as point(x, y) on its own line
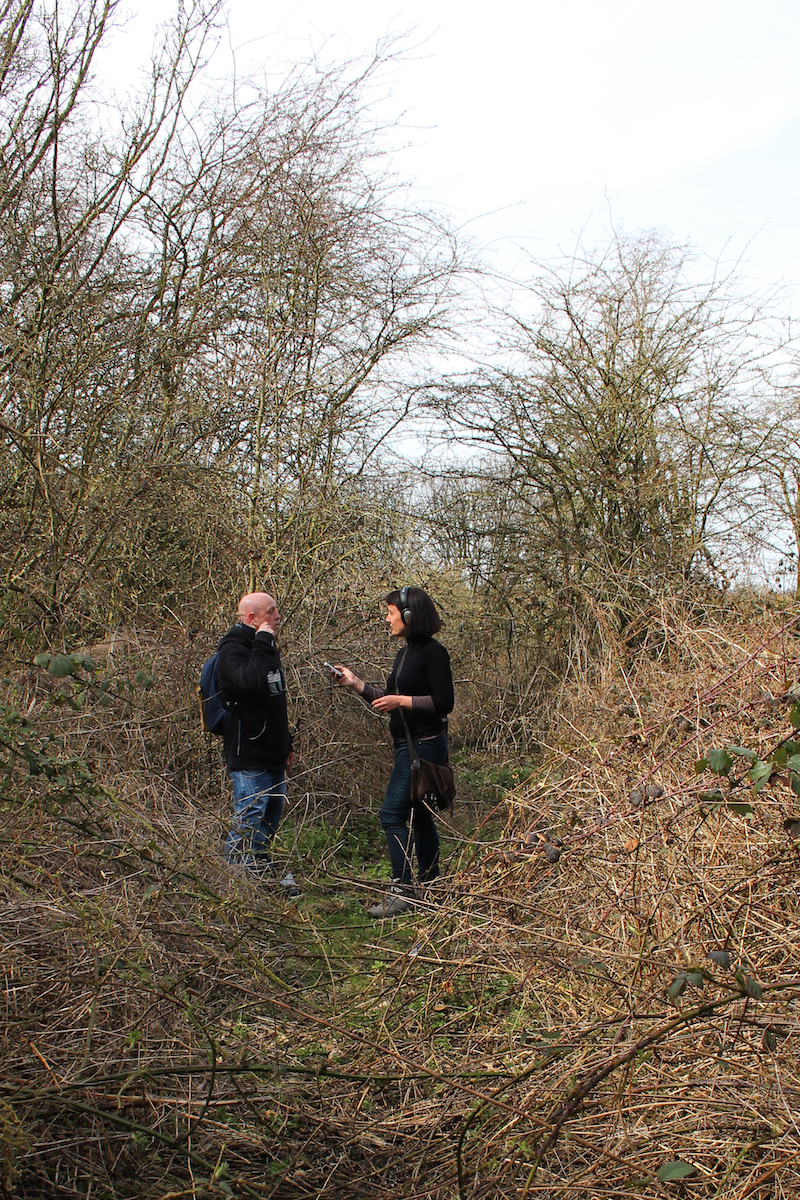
point(399, 899)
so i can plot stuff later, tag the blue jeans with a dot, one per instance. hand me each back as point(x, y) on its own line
point(406, 830)
point(258, 801)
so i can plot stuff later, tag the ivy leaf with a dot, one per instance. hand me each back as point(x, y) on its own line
point(42, 660)
point(719, 761)
point(675, 1170)
point(700, 766)
point(720, 958)
point(695, 978)
point(794, 716)
point(741, 807)
point(794, 784)
point(793, 762)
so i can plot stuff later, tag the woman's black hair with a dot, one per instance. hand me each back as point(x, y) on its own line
point(425, 620)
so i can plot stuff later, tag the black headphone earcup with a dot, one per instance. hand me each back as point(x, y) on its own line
point(405, 611)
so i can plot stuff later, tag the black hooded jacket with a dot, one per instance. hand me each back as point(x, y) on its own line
point(253, 684)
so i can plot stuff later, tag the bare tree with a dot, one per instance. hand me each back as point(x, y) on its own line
point(332, 288)
point(621, 424)
point(75, 394)
point(199, 312)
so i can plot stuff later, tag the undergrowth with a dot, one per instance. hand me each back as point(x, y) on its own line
point(601, 1003)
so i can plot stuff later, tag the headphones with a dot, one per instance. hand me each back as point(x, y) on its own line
point(405, 611)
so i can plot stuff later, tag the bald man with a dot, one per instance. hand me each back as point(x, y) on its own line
point(258, 744)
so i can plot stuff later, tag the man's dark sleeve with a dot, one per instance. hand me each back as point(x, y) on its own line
point(245, 668)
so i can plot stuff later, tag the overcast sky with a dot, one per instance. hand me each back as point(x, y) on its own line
point(524, 119)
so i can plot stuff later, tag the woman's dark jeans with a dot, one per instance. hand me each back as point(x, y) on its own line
point(403, 829)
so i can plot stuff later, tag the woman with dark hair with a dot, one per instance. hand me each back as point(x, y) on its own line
point(421, 685)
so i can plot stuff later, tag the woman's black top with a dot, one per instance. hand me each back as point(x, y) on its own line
point(422, 670)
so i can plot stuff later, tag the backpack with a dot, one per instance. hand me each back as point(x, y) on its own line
point(213, 706)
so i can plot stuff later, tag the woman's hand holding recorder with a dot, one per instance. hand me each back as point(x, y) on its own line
point(345, 677)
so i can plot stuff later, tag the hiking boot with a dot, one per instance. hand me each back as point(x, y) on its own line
point(399, 899)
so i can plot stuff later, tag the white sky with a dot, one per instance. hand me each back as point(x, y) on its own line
point(523, 118)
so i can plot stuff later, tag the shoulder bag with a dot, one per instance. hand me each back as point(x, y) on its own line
point(432, 784)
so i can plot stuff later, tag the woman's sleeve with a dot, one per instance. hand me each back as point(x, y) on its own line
point(441, 679)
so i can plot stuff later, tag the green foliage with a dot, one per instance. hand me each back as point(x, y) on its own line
point(678, 986)
point(719, 762)
point(487, 778)
point(61, 666)
point(83, 682)
point(677, 1169)
point(696, 977)
point(749, 986)
point(743, 752)
point(761, 773)
point(356, 845)
point(37, 766)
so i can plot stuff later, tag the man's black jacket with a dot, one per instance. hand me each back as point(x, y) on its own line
point(253, 684)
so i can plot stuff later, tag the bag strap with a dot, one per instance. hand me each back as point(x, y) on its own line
point(412, 749)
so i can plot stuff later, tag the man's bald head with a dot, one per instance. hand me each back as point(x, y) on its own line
point(259, 610)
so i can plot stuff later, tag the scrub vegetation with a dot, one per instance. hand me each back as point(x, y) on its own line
point(236, 353)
